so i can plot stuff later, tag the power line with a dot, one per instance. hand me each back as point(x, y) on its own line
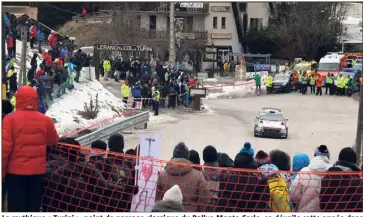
point(61, 9)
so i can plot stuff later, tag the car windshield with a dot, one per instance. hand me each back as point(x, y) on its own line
point(272, 117)
point(328, 67)
point(302, 67)
point(281, 77)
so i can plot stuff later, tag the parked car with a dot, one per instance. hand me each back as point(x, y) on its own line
point(282, 82)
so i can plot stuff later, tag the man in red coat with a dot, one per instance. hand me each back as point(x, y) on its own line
point(52, 41)
point(48, 59)
point(26, 135)
point(10, 45)
point(32, 35)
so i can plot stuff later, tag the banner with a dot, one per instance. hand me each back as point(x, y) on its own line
point(262, 67)
point(150, 146)
point(261, 73)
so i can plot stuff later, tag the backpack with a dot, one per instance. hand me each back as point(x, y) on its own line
point(280, 198)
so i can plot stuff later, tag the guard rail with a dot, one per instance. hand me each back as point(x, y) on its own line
point(131, 121)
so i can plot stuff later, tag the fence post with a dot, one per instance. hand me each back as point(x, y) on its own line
point(358, 147)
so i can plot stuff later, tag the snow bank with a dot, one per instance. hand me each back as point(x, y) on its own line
point(161, 118)
point(238, 90)
point(65, 109)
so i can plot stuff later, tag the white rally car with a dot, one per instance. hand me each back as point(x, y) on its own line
point(270, 122)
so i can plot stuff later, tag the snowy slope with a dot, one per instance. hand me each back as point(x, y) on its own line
point(64, 110)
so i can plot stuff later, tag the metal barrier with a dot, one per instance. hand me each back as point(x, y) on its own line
point(131, 121)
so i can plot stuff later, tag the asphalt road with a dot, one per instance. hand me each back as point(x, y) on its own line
point(313, 120)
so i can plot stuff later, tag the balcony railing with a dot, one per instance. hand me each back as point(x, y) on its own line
point(191, 35)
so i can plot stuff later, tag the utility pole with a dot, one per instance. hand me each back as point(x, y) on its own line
point(358, 147)
point(171, 35)
point(23, 60)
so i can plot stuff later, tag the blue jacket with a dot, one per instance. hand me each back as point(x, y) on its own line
point(42, 107)
point(42, 87)
point(40, 36)
point(6, 20)
point(136, 92)
point(64, 53)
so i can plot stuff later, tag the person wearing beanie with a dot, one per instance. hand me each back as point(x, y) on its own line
point(299, 161)
point(181, 151)
point(194, 157)
point(322, 150)
point(179, 171)
point(343, 193)
point(306, 185)
point(247, 148)
point(262, 158)
point(116, 143)
point(172, 201)
point(242, 185)
point(211, 173)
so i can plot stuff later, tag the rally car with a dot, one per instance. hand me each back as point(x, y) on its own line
point(270, 122)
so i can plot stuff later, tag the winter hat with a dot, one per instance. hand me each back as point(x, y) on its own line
point(269, 170)
point(322, 150)
point(174, 194)
point(194, 157)
point(181, 151)
point(262, 158)
point(209, 154)
point(300, 161)
point(172, 201)
point(348, 155)
point(116, 143)
point(245, 161)
point(247, 149)
point(224, 160)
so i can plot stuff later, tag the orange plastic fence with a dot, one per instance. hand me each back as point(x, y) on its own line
point(85, 180)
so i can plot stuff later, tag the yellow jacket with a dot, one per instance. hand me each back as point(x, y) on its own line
point(341, 82)
point(268, 81)
point(10, 73)
point(107, 65)
point(13, 102)
point(3, 94)
point(125, 91)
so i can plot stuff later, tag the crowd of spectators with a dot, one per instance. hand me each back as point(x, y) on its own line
point(142, 76)
point(50, 72)
point(98, 179)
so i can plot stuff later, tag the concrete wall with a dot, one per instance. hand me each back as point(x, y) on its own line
point(31, 12)
point(230, 27)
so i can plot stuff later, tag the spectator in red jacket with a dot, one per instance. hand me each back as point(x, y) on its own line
point(48, 58)
point(53, 40)
point(39, 73)
point(32, 35)
point(26, 135)
point(10, 45)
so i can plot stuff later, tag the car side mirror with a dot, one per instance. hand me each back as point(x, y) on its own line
point(256, 117)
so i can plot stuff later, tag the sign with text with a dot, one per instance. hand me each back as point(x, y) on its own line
point(147, 173)
point(191, 5)
point(221, 35)
point(197, 92)
point(220, 8)
point(188, 35)
point(140, 48)
point(251, 74)
point(262, 67)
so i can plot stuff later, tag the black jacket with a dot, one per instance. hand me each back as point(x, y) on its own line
point(342, 192)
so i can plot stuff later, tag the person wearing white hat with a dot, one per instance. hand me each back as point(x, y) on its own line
point(172, 201)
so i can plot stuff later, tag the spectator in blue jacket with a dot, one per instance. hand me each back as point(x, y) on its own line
point(40, 39)
point(136, 94)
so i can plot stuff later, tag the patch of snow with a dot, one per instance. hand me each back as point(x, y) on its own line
point(66, 108)
point(238, 90)
point(210, 80)
point(161, 118)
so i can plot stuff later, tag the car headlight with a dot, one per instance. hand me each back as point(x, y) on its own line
point(284, 84)
point(283, 130)
point(258, 128)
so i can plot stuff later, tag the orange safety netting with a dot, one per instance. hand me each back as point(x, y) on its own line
point(81, 179)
